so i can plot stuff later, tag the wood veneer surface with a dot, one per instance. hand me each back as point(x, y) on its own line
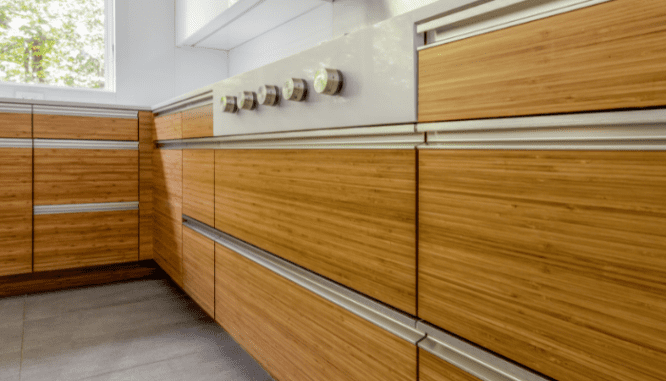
point(348, 215)
point(199, 269)
point(169, 127)
point(15, 125)
point(78, 176)
point(198, 122)
point(84, 127)
point(146, 128)
point(606, 56)
point(555, 259)
point(432, 368)
point(71, 240)
point(15, 211)
point(199, 185)
point(296, 335)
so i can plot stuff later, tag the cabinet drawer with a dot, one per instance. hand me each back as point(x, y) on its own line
point(78, 176)
point(169, 127)
point(199, 269)
point(554, 259)
point(198, 122)
point(607, 56)
point(199, 185)
point(432, 368)
point(84, 127)
point(297, 335)
point(70, 240)
point(348, 215)
point(15, 121)
point(15, 211)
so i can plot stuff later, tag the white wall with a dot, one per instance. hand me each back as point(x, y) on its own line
point(192, 15)
point(149, 67)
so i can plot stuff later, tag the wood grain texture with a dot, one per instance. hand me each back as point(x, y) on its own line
point(70, 278)
point(168, 212)
point(606, 56)
point(199, 185)
point(78, 176)
point(146, 128)
point(199, 269)
point(15, 211)
point(432, 368)
point(296, 335)
point(555, 259)
point(15, 125)
point(198, 122)
point(72, 240)
point(84, 127)
point(169, 127)
point(348, 215)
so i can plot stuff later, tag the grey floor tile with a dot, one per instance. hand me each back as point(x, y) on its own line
point(10, 350)
point(11, 309)
point(40, 306)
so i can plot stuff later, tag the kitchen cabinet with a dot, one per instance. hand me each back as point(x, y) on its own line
point(198, 122)
point(169, 127)
point(146, 128)
point(348, 215)
point(15, 121)
point(49, 126)
point(199, 269)
point(297, 335)
point(432, 368)
point(606, 56)
point(199, 185)
point(554, 259)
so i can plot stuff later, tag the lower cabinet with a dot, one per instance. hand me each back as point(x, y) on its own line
point(199, 269)
point(297, 335)
point(71, 240)
point(432, 368)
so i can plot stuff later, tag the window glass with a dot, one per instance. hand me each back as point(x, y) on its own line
point(54, 42)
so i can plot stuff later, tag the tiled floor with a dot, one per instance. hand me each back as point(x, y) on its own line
point(141, 330)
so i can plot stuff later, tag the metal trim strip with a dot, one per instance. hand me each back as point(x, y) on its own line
point(85, 208)
point(399, 324)
point(472, 359)
point(199, 100)
point(86, 144)
point(86, 111)
point(15, 143)
point(13, 108)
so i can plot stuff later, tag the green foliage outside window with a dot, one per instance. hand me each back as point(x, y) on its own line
point(52, 42)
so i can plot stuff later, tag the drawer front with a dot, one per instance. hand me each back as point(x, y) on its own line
point(199, 185)
point(71, 240)
point(296, 335)
point(607, 56)
point(78, 176)
point(84, 127)
point(15, 125)
point(15, 211)
point(199, 269)
point(554, 259)
point(348, 215)
point(432, 368)
point(198, 122)
point(169, 127)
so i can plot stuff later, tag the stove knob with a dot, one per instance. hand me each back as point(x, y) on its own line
point(328, 81)
point(229, 104)
point(247, 100)
point(295, 89)
point(268, 95)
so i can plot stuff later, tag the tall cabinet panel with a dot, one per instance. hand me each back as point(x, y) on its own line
point(199, 185)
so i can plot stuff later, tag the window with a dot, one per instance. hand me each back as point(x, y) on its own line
point(57, 43)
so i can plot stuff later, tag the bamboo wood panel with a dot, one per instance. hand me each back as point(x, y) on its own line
point(146, 127)
point(168, 212)
point(555, 259)
point(606, 56)
point(198, 122)
point(15, 211)
point(78, 176)
point(348, 215)
point(15, 125)
point(199, 185)
point(199, 269)
point(84, 127)
point(72, 240)
point(296, 335)
point(432, 368)
point(169, 127)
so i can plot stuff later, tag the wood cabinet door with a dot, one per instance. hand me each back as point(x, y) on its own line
point(554, 259)
point(432, 368)
point(297, 335)
point(168, 127)
point(15, 211)
point(17, 123)
point(199, 185)
point(84, 127)
point(607, 56)
point(348, 215)
point(198, 122)
point(199, 269)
